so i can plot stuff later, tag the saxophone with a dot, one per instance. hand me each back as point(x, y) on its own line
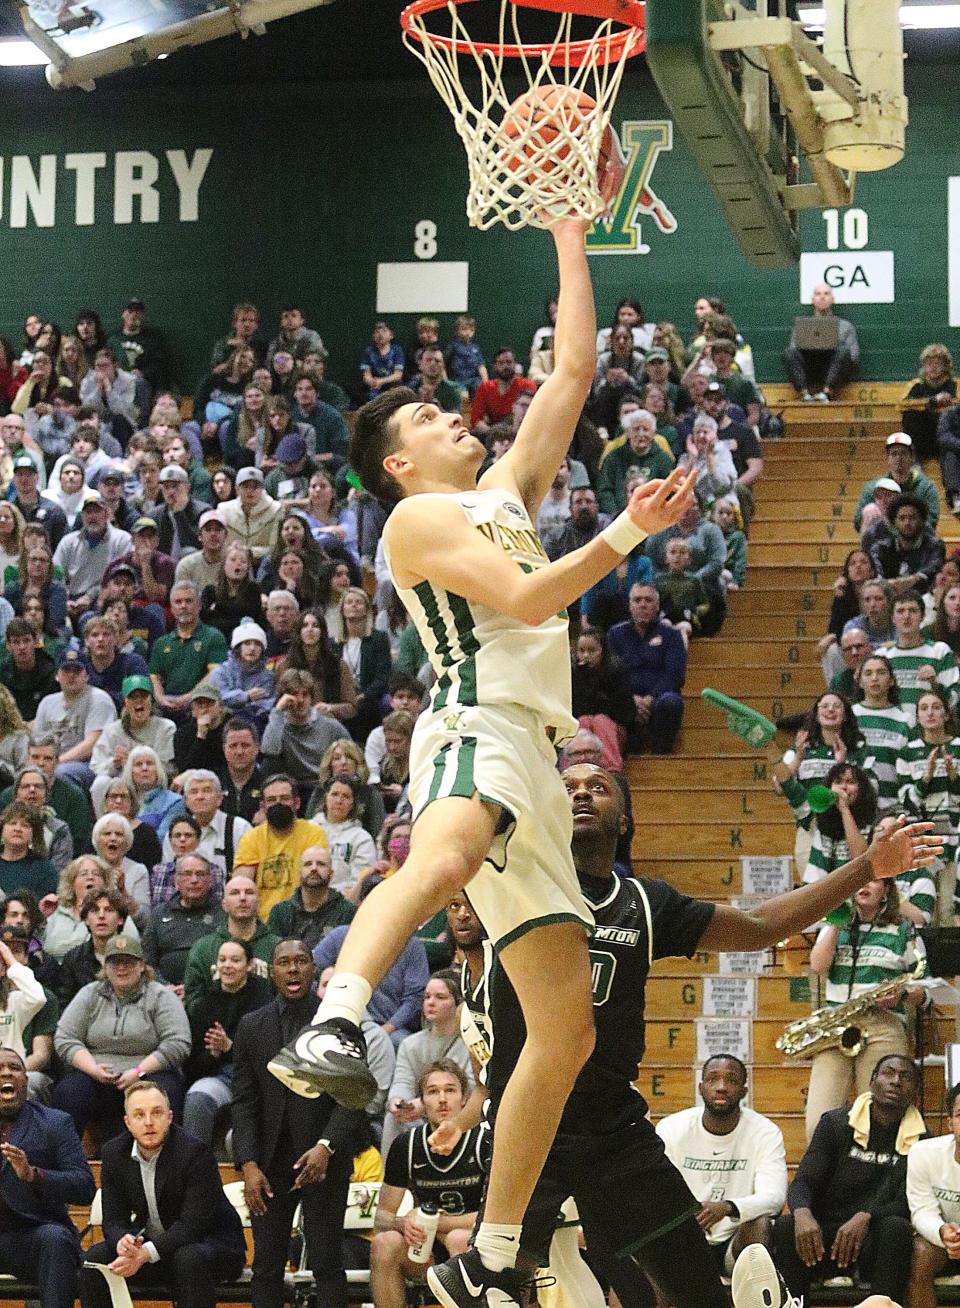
point(834, 1028)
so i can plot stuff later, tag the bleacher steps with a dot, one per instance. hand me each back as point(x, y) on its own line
point(801, 533)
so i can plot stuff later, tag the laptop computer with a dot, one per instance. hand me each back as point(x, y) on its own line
point(816, 333)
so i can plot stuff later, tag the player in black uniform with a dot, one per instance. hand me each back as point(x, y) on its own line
point(634, 1205)
point(466, 931)
point(454, 1182)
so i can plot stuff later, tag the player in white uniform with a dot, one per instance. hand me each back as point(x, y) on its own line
point(489, 805)
point(933, 1193)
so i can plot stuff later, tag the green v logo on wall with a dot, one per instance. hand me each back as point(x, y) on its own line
point(643, 143)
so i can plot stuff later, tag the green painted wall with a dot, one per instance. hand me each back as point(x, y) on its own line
point(309, 187)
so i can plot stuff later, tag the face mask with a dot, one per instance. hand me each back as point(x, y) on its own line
point(280, 816)
point(399, 848)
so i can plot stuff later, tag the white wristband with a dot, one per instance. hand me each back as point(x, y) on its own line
point(623, 534)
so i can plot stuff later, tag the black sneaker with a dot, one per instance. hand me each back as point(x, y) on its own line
point(329, 1058)
point(464, 1282)
point(757, 1283)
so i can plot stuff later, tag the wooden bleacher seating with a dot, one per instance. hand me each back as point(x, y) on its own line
point(765, 653)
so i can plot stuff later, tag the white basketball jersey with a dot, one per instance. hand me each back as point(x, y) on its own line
point(480, 655)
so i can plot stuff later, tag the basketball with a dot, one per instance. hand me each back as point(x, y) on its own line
point(537, 119)
point(535, 122)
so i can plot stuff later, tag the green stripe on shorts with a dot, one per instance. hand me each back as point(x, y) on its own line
point(463, 781)
point(439, 763)
point(463, 785)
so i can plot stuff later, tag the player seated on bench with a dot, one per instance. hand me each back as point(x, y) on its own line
point(847, 1203)
point(933, 1187)
point(453, 1182)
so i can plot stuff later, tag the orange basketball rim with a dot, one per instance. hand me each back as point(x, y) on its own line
point(625, 42)
point(561, 169)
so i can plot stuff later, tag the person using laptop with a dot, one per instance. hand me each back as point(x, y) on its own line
point(824, 352)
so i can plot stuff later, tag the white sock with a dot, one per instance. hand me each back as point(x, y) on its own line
point(347, 996)
point(498, 1245)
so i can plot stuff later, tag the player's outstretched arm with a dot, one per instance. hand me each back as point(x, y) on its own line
point(547, 429)
point(889, 855)
point(430, 538)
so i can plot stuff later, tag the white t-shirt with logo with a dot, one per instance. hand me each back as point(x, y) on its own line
point(933, 1186)
point(748, 1166)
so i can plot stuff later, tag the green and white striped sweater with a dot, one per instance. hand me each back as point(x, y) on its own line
point(882, 952)
point(907, 662)
point(886, 732)
point(817, 762)
point(826, 855)
point(919, 888)
point(938, 801)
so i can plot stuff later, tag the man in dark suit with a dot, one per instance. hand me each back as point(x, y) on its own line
point(43, 1170)
point(166, 1219)
point(290, 1150)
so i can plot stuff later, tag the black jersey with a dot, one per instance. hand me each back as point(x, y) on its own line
point(453, 1182)
point(638, 920)
point(475, 1015)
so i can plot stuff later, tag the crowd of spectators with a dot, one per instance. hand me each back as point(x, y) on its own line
point(889, 660)
point(178, 529)
point(205, 719)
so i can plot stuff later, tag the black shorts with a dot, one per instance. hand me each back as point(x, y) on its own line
point(626, 1190)
point(719, 1252)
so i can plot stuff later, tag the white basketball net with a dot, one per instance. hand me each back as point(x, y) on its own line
point(548, 179)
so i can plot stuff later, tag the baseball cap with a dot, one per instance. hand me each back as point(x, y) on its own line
point(71, 658)
point(211, 515)
point(715, 389)
point(206, 690)
point(658, 353)
point(135, 303)
point(899, 438)
point(130, 684)
point(25, 461)
point(173, 472)
point(123, 946)
point(248, 631)
point(127, 569)
point(292, 449)
point(143, 524)
point(93, 497)
point(110, 474)
point(887, 483)
point(247, 474)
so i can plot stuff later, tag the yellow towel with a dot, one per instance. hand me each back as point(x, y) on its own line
point(911, 1129)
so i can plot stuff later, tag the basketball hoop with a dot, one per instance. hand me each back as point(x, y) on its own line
point(548, 165)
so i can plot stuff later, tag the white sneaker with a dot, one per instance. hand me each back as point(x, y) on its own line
point(821, 397)
point(806, 397)
point(757, 1283)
